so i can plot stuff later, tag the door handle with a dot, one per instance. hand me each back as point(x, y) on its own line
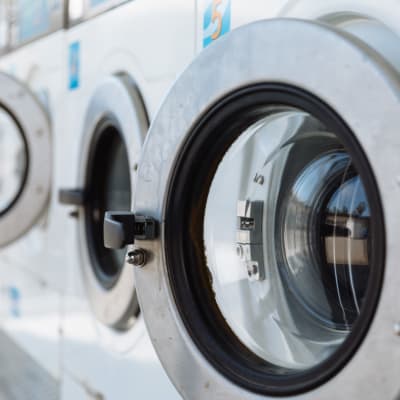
point(122, 228)
point(73, 197)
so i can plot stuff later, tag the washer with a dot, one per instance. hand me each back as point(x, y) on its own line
point(115, 128)
point(275, 269)
point(32, 102)
point(118, 85)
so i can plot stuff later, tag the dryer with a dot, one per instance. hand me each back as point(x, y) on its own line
point(117, 77)
point(273, 269)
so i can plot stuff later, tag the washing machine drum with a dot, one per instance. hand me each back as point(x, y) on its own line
point(272, 170)
point(25, 154)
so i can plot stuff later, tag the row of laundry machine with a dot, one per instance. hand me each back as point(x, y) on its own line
point(77, 104)
point(199, 192)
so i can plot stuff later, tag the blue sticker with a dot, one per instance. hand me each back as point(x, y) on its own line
point(74, 65)
point(33, 18)
point(14, 293)
point(217, 20)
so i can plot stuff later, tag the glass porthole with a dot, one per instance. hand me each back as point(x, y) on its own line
point(289, 263)
point(13, 161)
point(25, 160)
point(276, 249)
point(113, 132)
point(108, 188)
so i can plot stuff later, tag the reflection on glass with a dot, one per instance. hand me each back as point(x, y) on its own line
point(13, 161)
point(286, 238)
point(117, 187)
point(108, 188)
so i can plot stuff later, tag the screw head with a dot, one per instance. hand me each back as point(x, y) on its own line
point(137, 257)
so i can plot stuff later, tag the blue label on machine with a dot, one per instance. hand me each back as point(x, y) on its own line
point(33, 18)
point(217, 20)
point(74, 65)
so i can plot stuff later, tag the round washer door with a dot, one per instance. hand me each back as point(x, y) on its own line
point(115, 126)
point(25, 157)
point(274, 176)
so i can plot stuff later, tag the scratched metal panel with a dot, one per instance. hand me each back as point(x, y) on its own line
point(21, 377)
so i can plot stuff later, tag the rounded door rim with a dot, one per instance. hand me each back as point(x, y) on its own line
point(23, 106)
point(244, 61)
point(118, 97)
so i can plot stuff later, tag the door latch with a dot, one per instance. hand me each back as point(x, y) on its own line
point(123, 228)
point(75, 197)
point(249, 235)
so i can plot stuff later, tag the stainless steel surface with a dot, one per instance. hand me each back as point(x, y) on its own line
point(367, 99)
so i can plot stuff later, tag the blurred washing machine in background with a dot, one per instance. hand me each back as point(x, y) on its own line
point(122, 58)
point(32, 114)
point(271, 171)
point(71, 306)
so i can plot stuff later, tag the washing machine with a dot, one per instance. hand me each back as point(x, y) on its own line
point(122, 58)
point(263, 226)
point(31, 117)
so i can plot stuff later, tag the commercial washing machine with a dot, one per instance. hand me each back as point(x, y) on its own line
point(31, 116)
point(123, 56)
point(264, 214)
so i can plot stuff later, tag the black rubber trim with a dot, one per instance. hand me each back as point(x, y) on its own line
point(72, 197)
point(27, 155)
point(196, 164)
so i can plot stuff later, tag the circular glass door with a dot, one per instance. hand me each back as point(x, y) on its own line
point(25, 159)
point(270, 247)
point(287, 231)
point(275, 200)
point(13, 161)
point(108, 188)
point(114, 128)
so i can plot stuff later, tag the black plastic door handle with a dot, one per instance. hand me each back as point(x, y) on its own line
point(75, 197)
point(122, 228)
